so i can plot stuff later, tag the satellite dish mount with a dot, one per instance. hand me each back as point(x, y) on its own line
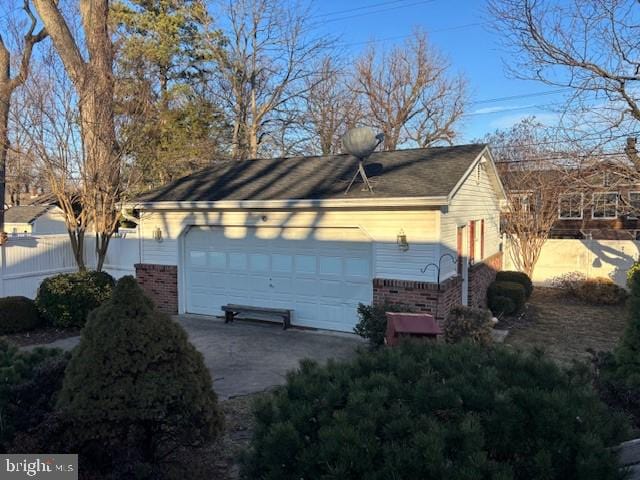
point(361, 142)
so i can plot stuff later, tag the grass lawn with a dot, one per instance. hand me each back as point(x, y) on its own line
point(565, 327)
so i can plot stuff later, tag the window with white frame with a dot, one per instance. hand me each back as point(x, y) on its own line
point(605, 205)
point(570, 206)
point(634, 204)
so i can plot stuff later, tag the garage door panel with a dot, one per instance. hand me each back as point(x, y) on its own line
point(305, 270)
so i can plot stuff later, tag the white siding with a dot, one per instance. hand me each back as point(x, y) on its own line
point(381, 226)
point(18, 227)
point(51, 222)
point(475, 200)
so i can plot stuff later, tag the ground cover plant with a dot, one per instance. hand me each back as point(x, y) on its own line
point(458, 411)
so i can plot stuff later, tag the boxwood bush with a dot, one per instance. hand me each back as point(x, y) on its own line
point(518, 277)
point(65, 300)
point(18, 314)
point(459, 411)
point(498, 290)
point(467, 323)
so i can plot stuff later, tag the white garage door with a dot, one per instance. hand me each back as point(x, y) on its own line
point(302, 269)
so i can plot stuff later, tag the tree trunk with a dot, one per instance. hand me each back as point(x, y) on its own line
point(77, 245)
point(4, 147)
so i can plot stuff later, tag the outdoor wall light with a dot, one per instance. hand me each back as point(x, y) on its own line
point(403, 244)
point(157, 234)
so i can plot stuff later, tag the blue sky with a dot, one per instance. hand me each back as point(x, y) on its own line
point(460, 29)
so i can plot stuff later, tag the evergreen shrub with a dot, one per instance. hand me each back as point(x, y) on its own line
point(512, 290)
point(372, 323)
point(18, 314)
point(518, 277)
point(65, 300)
point(600, 291)
point(135, 388)
point(441, 411)
point(22, 395)
point(467, 323)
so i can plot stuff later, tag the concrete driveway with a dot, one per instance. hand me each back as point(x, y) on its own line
point(245, 357)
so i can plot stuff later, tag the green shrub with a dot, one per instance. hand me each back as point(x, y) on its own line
point(135, 386)
point(17, 369)
point(631, 272)
point(65, 300)
point(18, 314)
point(600, 291)
point(458, 411)
point(502, 305)
point(372, 324)
point(518, 277)
point(511, 290)
point(466, 323)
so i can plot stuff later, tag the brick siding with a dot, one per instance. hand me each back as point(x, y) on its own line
point(160, 282)
point(480, 277)
point(419, 296)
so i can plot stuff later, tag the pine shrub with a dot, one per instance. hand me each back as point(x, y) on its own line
point(135, 387)
point(459, 411)
point(18, 314)
point(65, 300)
point(372, 324)
point(18, 372)
point(518, 277)
point(512, 290)
point(467, 323)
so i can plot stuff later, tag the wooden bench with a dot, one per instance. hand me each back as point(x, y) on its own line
point(230, 312)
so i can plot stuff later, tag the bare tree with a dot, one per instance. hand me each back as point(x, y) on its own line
point(330, 107)
point(94, 85)
point(263, 70)
point(534, 176)
point(589, 47)
point(409, 94)
point(8, 85)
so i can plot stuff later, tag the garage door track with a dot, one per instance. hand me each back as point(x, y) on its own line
point(246, 357)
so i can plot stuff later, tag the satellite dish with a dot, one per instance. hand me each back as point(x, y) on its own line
point(361, 142)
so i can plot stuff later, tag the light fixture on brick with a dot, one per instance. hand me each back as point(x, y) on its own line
point(403, 244)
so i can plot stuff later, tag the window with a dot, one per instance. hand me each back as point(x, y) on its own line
point(605, 205)
point(634, 204)
point(570, 206)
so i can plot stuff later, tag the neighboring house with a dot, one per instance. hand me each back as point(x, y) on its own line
point(34, 220)
point(601, 202)
point(283, 233)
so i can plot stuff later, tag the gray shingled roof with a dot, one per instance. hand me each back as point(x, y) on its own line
point(25, 213)
point(422, 172)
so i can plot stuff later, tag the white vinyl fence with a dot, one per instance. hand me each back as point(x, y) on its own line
point(592, 258)
point(26, 260)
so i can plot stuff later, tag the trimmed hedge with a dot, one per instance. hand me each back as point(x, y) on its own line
point(498, 291)
point(65, 300)
point(467, 323)
point(18, 314)
point(518, 277)
point(459, 411)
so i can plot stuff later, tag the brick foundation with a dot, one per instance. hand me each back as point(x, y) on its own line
point(419, 296)
point(480, 277)
point(160, 282)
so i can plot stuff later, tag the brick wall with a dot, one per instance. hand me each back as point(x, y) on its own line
point(419, 296)
point(480, 276)
point(160, 282)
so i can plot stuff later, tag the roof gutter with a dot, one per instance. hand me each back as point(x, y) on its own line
point(286, 204)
